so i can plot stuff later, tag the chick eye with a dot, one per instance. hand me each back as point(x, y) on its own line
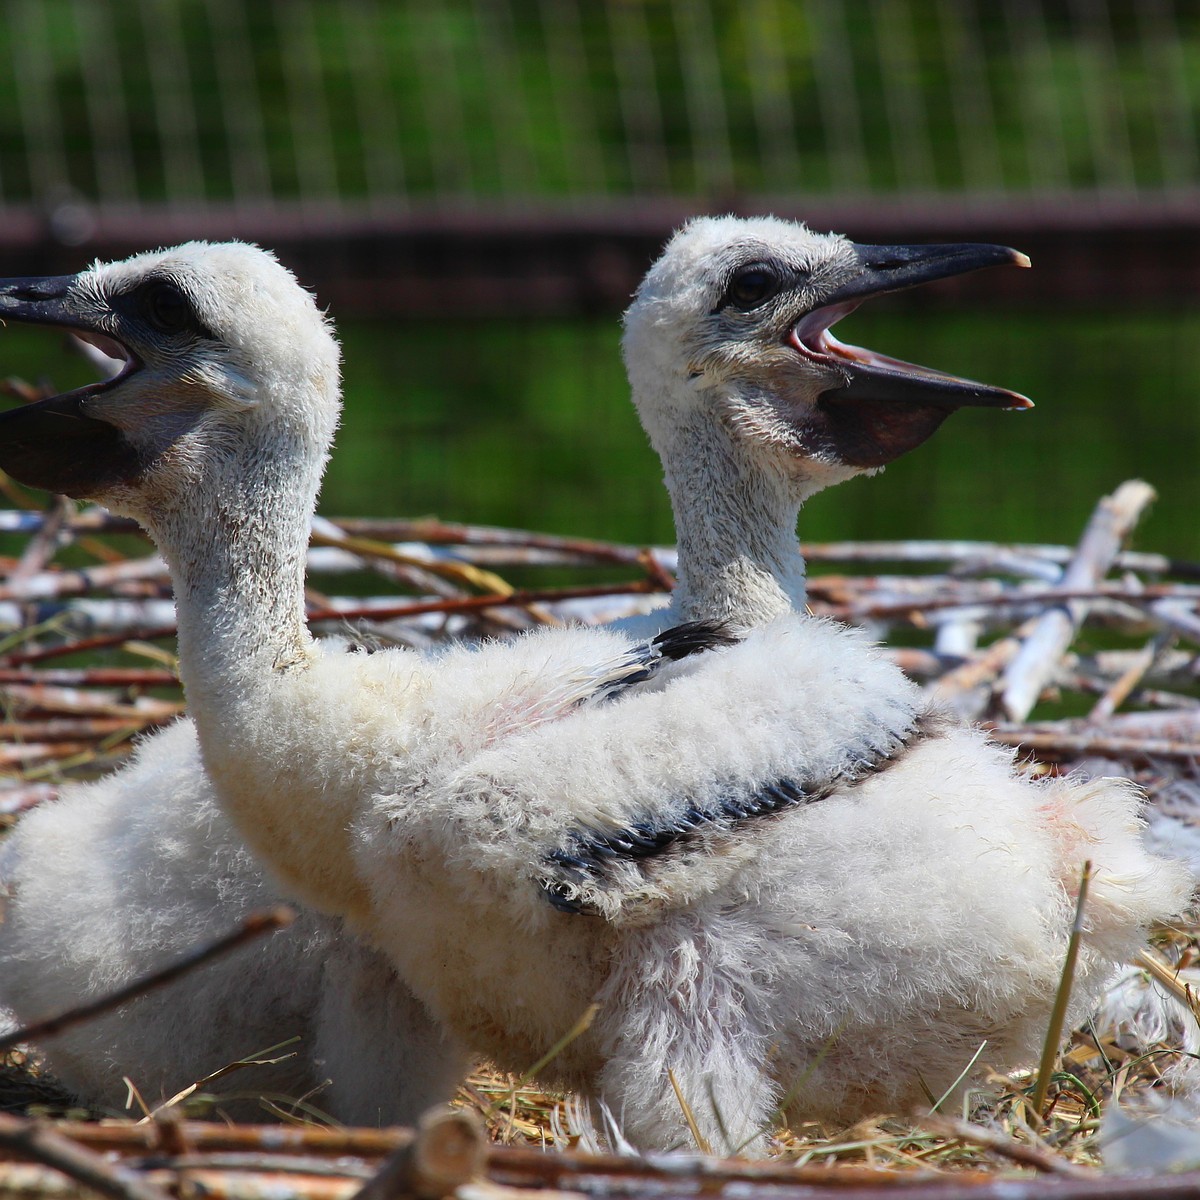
point(166, 308)
point(751, 285)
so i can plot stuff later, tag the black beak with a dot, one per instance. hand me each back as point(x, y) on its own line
point(877, 377)
point(54, 444)
point(884, 407)
point(893, 268)
point(38, 300)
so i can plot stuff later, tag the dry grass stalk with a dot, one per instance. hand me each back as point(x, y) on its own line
point(1168, 978)
point(1000, 1143)
point(1058, 1015)
point(699, 1138)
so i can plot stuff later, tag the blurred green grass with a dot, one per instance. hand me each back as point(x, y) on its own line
point(528, 423)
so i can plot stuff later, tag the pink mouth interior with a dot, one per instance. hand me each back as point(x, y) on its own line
point(811, 337)
point(104, 353)
point(107, 346)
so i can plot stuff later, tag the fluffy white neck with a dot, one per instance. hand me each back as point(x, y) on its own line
point(735, 523)
point(235, 543)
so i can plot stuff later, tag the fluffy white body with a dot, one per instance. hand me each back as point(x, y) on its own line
point(119, 877)
point(844, 955)
point(116, 879)
point(774, 874)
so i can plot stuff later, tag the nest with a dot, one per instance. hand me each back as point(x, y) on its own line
point(1079, 656)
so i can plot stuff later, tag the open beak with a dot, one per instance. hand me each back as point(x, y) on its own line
point(56, 444)
point(883, 407)
point(876, 377)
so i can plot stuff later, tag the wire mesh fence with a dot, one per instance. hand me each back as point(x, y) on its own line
point(319, 101)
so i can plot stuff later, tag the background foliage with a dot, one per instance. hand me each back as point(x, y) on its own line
point(395, 106)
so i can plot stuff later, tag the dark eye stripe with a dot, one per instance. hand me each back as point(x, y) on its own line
point(164, 307)
point(751, 285)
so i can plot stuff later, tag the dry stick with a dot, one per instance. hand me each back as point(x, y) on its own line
point(325, 533)
point(552, 1175)
point(450, 1149)
point(658, 575)
point(24, 1181)
point(93, 520)
point(689, 1181)
point(256, 924)
point(127, 619)
point(1160, 698)
point(674, 1177)
point(1183, 621)
point(1172, 668)
point(993, 595)
point(1178, 724)
point(242, 1185)
point(42, 546)
point(967, 689)
point(513, 1166)
point(33, 1140)
point(1050, 744)
point(427, 530)
point(201, 1136)
point(922, 551)
point(437, 532)
point(1167, 976)
point(27, 752)
point(272, 1164)
point(24, 796)
point(520, 599)
point(1058, 1015)
point(384, 560)
point(983, 555)
point(1001, 1143)
point(1111, 523)
point(81, 677)
point(23, 390)
point(70, 729)
point(49, 700)
point(1121, 689)
point(491, 557)
point(102, 642)
point(915, 662)
point(441, 533)
point(51, 585)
